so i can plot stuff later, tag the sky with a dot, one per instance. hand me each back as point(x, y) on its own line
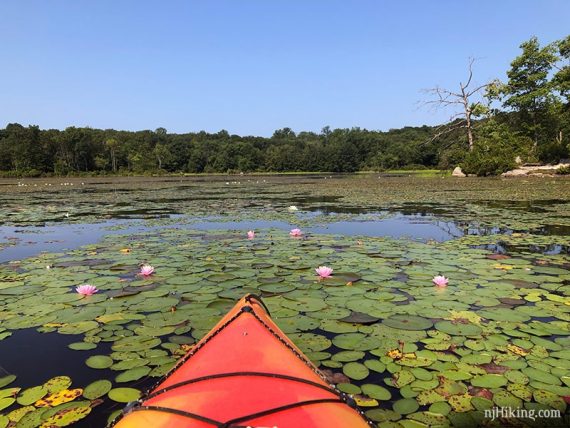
point(253, 66)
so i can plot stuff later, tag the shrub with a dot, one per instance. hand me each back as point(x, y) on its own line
point(489, 160)
point(496, 150)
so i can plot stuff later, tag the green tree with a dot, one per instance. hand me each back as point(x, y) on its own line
point(528, 91)
point(112, 145)
point(162, 154)
point(561, 79)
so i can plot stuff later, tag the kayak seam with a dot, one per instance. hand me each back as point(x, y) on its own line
point(231, 423)
point(183, 413)
point(236, 374)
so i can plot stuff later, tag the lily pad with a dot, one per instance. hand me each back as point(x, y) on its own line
point(407, 322)
point(7, 380)
point(124, 395)
point(133, 374)
point(67, 416)
point(97, 389)
point(59, 397)
point(99, 362)
point(405, 406)
point(376, 391)
point(458, 329)
point(355, 371)
point(489, 381)
point(58, 383)
point(31, 395)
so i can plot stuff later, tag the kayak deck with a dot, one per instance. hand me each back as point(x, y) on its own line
point(244, 373)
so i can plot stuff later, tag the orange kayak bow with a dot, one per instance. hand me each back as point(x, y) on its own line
point(244, 373)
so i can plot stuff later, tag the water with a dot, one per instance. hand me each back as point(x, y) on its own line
point(61, 237)
point(420, 211)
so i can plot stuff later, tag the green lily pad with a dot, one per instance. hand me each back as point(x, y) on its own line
point(359, 318)
point(349, 388)
point(504, 398)
point(489, 381)
point(17, 414)
point(541, 376)
point(376, 391)
point(31, 395)
point(99, 362)
point(82, 346)
point(405, 406)
point(97, 389)
point(133, 374)
point(6, 402)
point(7, 380)
point(440, 407)
point(124, 395)
point(458, 329)
point(355, 371)
point(407, 322)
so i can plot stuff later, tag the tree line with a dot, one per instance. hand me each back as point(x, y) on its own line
point(527, 116)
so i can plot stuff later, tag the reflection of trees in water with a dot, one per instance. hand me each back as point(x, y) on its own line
point(502, 247)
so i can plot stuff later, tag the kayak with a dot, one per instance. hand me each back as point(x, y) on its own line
point(244, 373)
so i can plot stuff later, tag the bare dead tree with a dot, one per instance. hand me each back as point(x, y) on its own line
point(462, 101)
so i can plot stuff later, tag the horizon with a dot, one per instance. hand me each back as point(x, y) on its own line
point(191, 67)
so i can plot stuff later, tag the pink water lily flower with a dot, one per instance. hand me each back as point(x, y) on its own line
point(295, 232)
point(86, 289)
point(250, 234)
point(324, 271)
point(147, 270)
point(440, 280)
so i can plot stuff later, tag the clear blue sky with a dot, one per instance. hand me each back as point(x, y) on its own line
point(252, 66)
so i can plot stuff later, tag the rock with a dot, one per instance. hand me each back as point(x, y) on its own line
point(536, 170)
point(515, 173)
point(457, 172)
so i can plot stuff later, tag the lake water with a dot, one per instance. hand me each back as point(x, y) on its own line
point(503, 244)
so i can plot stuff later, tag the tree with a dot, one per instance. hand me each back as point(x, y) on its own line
point(461, 100)
point(162, 154)
point(112, 144)
point(561, 79)
point(528, 90)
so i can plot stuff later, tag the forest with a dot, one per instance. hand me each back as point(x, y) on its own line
point(527, 116)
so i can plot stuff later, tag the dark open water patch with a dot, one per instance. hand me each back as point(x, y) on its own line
point(19, 355)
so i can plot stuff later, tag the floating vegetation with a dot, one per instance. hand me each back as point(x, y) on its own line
point(419, 332)
point(499, 330)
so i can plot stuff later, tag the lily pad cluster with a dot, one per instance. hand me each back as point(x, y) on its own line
point(411, 353)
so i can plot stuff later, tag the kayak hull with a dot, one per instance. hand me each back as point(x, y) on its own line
point(245, 372)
